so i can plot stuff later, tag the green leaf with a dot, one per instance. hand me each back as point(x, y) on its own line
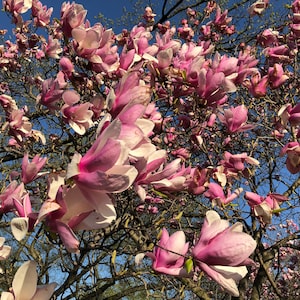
point(189, 264)
point(276, 211)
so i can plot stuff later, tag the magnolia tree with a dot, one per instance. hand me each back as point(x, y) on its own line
point(159, 162)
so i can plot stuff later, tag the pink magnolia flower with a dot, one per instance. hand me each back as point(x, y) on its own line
point(263, 207)
point(24, 285)
point(135, 131)
point(174, 182)
point(88, 40)
point(52, 211)
point(8, 103)
point(106, 58)
point(31, 169)
point(182, 153)
point(292, 149)
point(235, 163)
point(296, 6)
point(163, 28)
point(257, 85)
point(52, 48)
point(171, 177)
point(164, 60)
point(105, 165)
point(52, 90)
point(75, 209)
point(212, 87)
point(166, 41)
point(274, 200)
point(26, 219)
point(185, 32)
point(78, 116)
point(258, 7)
point(129, 89)
point(145, 167)
point(216, 194)
point(16, 199)
point(212, 119)
point(287, 113)
point(276, 76)
point(91, 210)
point(17, 6)
point(206, 30)
point(127, 60)
point(268, 37)
point(169, 255)
point(214, 83)
point(149, 15)
point(139, 40)
point(41, 14)
point(19, 125)
point(210, 7)
point(40, 54)
point(96, 44)
point(97, 107)
point(152, 113)
point(222, 252)
point(246, 64)
point(295, 26)
point(72, 16)
point(278, 53)
point(221, 19)
point(226, 65)
point(11, 192)
point(197, 181)
point(190, 58)
point(235, 119)
point(259, 207)
point(66, 66)
point(294, 113)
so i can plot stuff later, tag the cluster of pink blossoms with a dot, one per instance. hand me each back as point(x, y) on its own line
point(222, 252)
point(122, 154)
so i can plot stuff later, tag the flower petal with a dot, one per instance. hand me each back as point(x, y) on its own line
point(19, 227)
point(226, 282)
point(44, 292)
point(25, 281)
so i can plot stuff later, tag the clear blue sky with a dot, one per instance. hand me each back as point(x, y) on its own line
point(112, 9)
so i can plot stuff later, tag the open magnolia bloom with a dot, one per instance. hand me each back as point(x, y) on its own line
point(75, 209)
point(105, 166)
point(24, 285)
point(258, 7)
point(264, 207)
point(292, 149)
point(30, 170)
point(216, 194)
point(222, 252)
point(235, 119)
point(168, 257)
point(17, 7)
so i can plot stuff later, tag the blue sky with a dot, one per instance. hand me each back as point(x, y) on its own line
point(112, 9)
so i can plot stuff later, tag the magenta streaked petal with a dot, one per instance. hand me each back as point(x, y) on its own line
point(114, 180)
point(67, 236)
